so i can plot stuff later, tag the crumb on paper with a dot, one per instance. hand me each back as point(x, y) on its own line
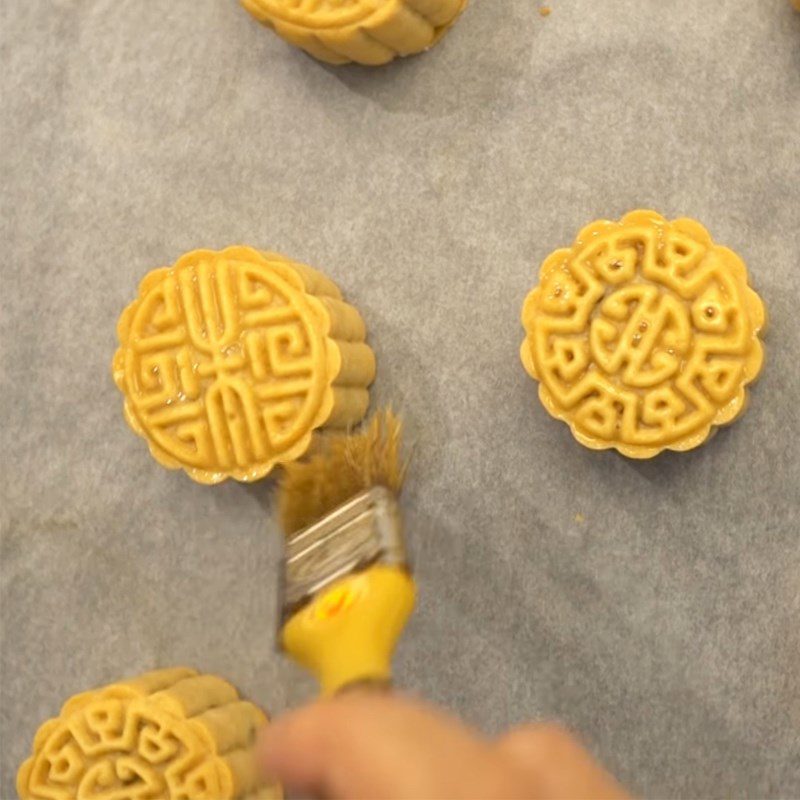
point(545, 11)
point(579, 517)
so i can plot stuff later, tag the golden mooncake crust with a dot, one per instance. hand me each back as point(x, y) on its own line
point(643, 335)
point(172, 734)
point(368, 32)
point(228, 361)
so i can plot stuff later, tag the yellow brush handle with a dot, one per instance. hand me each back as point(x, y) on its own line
point(348, 634)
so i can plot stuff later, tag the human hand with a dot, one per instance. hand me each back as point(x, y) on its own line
point(387, 747)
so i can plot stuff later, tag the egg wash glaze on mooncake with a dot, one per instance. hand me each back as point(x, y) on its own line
point(643, 335)
point(228, 362)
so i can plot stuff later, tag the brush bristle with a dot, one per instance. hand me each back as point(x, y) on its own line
point(339, 467)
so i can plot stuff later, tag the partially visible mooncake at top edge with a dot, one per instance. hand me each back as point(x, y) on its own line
point(368, 32)
point(229, 361)
point(171, 734)
point(643, 335)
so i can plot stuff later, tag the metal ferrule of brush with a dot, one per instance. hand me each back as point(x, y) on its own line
point(365, 530)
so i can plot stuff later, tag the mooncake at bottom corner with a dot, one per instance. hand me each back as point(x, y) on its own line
point(171, 734)
point(643, 335)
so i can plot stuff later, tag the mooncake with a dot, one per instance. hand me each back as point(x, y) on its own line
point(365, 31)
point(228, 361)
point(643, 335)
point(166, 735)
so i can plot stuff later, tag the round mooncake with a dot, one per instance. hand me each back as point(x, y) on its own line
point(365, 31)
point(166, 735)
point(643, 335)
point(229, 361)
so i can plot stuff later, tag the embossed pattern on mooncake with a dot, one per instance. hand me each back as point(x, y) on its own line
point(167, 735)
point(365, 31)
point(230, 360)
point(643, 335)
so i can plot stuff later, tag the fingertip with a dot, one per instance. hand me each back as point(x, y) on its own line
point(539, 741)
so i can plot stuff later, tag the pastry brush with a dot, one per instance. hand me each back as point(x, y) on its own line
point(346, 584)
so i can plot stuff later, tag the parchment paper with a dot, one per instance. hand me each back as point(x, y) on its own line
point(653, 607)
